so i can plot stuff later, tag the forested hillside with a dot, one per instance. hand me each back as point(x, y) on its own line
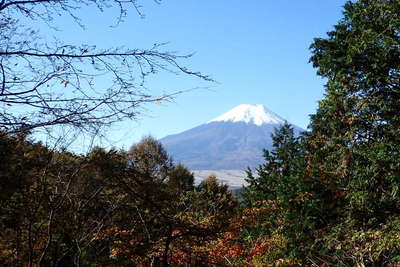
point(108, 208)
point(329, 197)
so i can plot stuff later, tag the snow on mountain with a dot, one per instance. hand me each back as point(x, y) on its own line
point(228, 144)
point(256, 114)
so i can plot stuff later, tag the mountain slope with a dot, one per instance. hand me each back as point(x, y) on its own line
point(232, 141)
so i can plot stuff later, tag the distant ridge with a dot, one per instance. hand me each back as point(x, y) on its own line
point(231, 141)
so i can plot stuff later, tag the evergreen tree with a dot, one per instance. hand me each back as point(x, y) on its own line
point(278, 177)
point(353, 145)
point(280, 188)
point(348, 167)
point(355, 135)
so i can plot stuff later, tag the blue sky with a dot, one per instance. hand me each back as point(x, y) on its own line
point(256, 50)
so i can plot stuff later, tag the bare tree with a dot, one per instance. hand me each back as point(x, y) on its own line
point(46, 84)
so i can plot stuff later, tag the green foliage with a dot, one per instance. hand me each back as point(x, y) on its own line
point(353, 143)
point(280, 185)
point(348, 245)
point(336, 190)
point(278, 177)
point(357, 125)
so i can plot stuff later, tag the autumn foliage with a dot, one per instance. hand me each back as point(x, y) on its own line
point(329, 197)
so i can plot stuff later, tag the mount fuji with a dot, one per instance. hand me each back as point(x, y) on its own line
point(232, 141)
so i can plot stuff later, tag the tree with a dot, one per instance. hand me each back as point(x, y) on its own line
point(357, 125)
point(330, 198)
point(41, 190)
point(46, 84)
point(353, 143)
point(159, 218)
point(216, 196)
point(280, 202)
point(149, 158)
point(180, 179)
point(119, 212)
point(278, 177)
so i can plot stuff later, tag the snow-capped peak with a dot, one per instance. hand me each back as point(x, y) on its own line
point(256, 114)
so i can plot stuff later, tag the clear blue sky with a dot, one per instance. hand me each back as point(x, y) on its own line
point(256, 50)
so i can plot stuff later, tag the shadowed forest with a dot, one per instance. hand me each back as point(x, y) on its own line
point(329, 197)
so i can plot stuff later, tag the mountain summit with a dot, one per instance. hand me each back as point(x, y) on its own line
point(256, 114)
point(233, 141)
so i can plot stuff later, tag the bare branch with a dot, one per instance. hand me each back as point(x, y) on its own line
point(54, 84)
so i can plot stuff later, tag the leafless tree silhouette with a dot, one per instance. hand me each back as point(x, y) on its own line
point(46, 84)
